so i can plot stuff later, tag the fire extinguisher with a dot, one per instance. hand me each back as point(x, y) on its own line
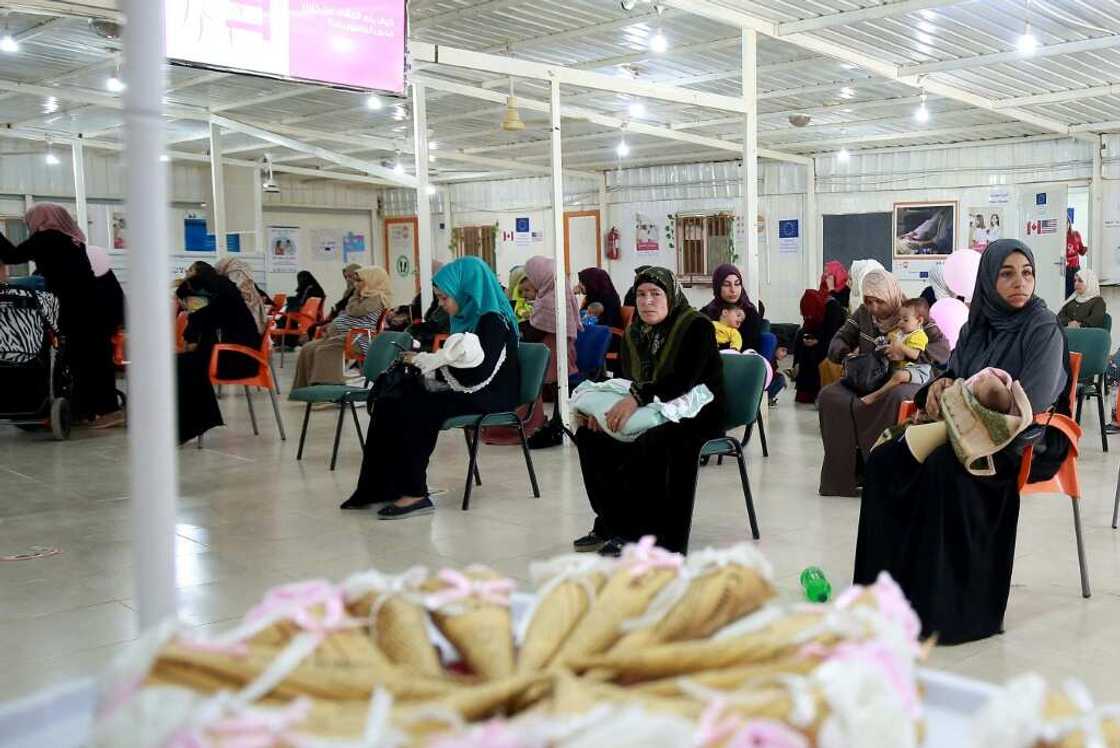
point(614, 243)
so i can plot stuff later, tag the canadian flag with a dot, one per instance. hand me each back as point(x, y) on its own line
point(1032, 228)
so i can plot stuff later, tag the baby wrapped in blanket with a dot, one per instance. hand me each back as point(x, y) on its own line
point(594, 399)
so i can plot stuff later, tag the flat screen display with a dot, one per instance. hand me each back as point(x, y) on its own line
point(353, 43)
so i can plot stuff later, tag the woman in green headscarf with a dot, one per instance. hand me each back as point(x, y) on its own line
point(522, 307)
point(476, 371)
point(645, 487)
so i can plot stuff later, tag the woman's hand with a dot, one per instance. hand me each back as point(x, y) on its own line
point(894, 351)
point(408, 357)
point(1073, 323)
point(933, 397)
point(621, 412)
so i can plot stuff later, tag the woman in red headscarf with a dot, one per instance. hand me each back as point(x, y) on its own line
point(823, 313)
point(57, 246)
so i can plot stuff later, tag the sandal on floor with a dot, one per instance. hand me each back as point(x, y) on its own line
point(393, 511)
point(589, 542)
point(612, 548)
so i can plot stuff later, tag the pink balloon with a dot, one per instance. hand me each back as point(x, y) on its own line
point(960, 272)
point(950, 315)
point(98, 260)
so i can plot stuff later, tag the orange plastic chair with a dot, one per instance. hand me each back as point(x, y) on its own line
point(119, 339)
point(627, 315)
point(350, 349)
point(1065, 481)
point(263, 379)
point(278, 302)
point(298, 323)
point(619, 332)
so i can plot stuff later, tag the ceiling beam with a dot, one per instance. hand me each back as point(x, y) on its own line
point(86, 96)
point(603, 120)
point(368, 167)
point(881, 68)
point(42, 28)
point(289, 93)
point(1014, 56)
point(462, 58)
point(90, 9)
point(871, 13)
point(473, 9)
point(1055, 97)
point(974, 130)
point(584, 31)
point(684, 49)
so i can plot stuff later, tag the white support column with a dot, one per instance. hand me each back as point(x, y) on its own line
point(813, 262)
point(1099, 258)
point(423, 201)
point(604, 218)
point(749, 171)
point(218, 188)
point(151, 422)
point(78, 156)
point(258, 225)
point(449, 213)
point(558, 254)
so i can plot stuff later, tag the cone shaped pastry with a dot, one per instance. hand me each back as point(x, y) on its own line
point(624, 596)
point(555, 617)
point(398, 620)
point(472, 611)
point(730, 678)
point(469, 704)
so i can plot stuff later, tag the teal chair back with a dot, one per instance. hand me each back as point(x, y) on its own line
point(1092, 344)
point(533, 358)
point(1108, 321)
point(744, 380)
point(382, 352)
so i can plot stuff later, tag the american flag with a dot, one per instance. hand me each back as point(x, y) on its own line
point(1048, 226)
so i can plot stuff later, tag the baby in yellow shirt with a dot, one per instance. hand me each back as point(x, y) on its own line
point(911, 317)
point(727, 327)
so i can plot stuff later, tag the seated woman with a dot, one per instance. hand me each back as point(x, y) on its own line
point(727, 286)
point(1085, 308)
point(937, 289)
point(645, 487)
point(306, 288)
point(522, 307)
point(477, 371)
point(823, 312)
point(57, 246)
point(238, 272)
point(224, 317)
point(597, 288)
point(320, 361)
point(947, 537)
point(435, 320)
point(350, 275)
point(539, 285)
point(849, 428)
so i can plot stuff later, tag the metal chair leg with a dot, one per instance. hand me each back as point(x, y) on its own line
point(357, 426)
point(1116, 502)
point(338, 433)
point(762, 432)
point(1085, 592)
point(252, 414)
point(1080, 400)
point(276, 412)
point(303, 431)
point(747, 490)
point(1100, 412)
point(467, 439)
point(472, 467)
point(282, 344)
point(528, 459)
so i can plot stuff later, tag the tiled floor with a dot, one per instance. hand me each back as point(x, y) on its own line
point(250, 516)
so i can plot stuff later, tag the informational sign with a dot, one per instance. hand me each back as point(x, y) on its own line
point(355, 43)
point(789, 236)
point(404, 266)
point(538, 236)
point(1042, 228)
point(522, 231)
point(914, 270)
point(999, 196)
point(282, 253)
point(353, 244)
point(985, 225)
point(645, 233)
point(325, 244)
point(120, 230)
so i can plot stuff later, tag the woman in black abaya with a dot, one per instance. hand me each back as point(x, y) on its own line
point(946, 536)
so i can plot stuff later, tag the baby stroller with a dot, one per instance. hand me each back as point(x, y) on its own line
point(35, 382)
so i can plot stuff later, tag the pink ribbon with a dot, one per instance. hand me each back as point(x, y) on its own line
point(296, 601)
point(644, 556)
point(733, 731)
point(248, 728)
point(460, 587)
point(715, 727)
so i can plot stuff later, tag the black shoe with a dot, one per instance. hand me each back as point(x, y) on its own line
point(1111, 429)
point(393, 511)
point(356, 502)
point(549, 436)
point(612, 548)
point(705, 460)
point(773, 402)
point(589, 542)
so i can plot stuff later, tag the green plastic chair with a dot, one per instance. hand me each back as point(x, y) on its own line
point(382, 352)
point(744, 380)
point(533, 358)
point(1108, 321)
point(1093, 345)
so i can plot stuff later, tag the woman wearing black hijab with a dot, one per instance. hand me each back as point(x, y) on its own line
point(306, 288)
point(946, 536)
point(598, 288)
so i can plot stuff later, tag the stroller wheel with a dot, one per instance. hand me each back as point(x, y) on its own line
point(60, 419)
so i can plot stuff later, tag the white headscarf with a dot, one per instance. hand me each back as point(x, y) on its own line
point(859, 270)
point(1092, 287)
point(937, 282)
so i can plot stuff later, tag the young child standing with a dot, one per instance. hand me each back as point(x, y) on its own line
point(911, 317)
point(727, 327)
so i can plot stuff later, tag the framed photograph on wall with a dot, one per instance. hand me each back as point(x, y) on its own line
point(925, 229)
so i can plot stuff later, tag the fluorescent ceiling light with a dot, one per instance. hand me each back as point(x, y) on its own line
point(623, 149)
point(843, 155)
point(8, 44)
point(637, 109)
point(114, 84)
point(658, 43)
point(373, 103)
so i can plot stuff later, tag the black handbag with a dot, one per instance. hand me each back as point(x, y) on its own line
point(864, 373)
point(398, 382)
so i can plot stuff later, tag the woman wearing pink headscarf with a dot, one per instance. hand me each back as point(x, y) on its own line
point(539, 287)
point(57, 246)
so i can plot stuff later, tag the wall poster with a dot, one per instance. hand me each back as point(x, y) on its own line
point(985, 225)
point(646, 234)
point(283, 249)
point(325, 244)
point(924, 229)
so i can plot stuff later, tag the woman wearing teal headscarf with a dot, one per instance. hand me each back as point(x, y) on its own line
point(476, 371)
